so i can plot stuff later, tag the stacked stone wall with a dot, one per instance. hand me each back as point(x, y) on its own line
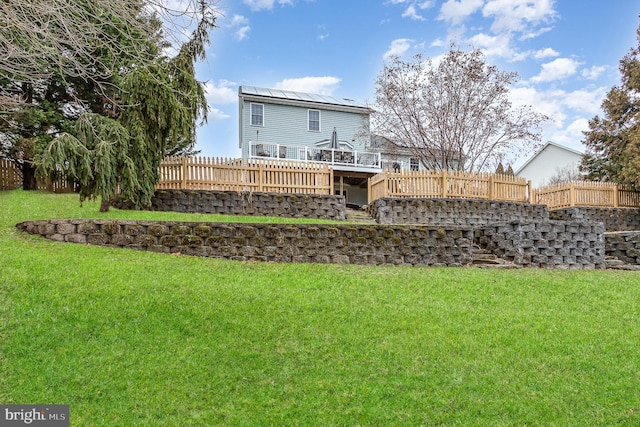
point(624, 245)
point(577, 244)
point(340, 243)
point(463, 212)
point(247, 203)
point(614, 219)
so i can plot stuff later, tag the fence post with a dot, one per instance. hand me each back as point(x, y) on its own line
point(386, 183)
point(490, 195)
point(331, 184)
point(185, 172)
point(572, 194)
point(260, 178)
point(444, 184)
point(615, 196)
point(529, 196)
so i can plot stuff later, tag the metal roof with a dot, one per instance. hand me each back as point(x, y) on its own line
point(299, 96)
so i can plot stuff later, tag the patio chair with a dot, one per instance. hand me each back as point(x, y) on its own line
point(260, 151)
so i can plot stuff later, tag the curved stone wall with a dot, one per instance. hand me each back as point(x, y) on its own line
point(340, 243)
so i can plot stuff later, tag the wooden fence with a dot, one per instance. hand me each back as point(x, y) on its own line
point(11, 178)
point(586, 193)
point(449, 184)
point(206, 173)
point(10, 175)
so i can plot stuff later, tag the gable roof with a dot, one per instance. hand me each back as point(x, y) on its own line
point(285, 97)
point(532, 158)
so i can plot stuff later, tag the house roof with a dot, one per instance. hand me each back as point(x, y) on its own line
point(299, 98)
point(562, 147)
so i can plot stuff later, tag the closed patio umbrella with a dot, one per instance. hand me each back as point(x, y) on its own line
point(334, 140)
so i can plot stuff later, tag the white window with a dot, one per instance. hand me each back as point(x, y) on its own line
point(257, 114)
point(414, 164)
point(314, 120)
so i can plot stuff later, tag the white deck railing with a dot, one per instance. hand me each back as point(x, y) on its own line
point(338, 157)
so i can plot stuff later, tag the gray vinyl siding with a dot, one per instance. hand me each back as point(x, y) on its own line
point(288, 125)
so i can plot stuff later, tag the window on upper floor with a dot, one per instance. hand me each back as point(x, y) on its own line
point(257, 114)
point(314, 120)
point(414, 164)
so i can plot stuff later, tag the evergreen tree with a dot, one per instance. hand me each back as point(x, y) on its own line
point(613, 141)
point(158, 109)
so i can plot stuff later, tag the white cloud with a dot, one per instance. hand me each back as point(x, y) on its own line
point(587, 101)
point(216, 115)
point(320, 85)
point(572, 135)
point(222, 93)
point(493, 45)
point(518, 15)
point(556, 70)
point(398, 48)
point(257, 5)
point(241, 27)
point(562, 107)
point(456, 11)
point(410, 12)
point(545, 53)
point(594, 72)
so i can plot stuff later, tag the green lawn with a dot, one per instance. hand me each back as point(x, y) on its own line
point(134, 338)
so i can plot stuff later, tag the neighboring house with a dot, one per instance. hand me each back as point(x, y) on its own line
point(294, 126)
point(547, 162)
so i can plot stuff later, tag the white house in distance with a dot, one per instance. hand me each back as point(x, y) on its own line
point(548, 162)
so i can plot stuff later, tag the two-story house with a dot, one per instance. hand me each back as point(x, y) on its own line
point(294, 126)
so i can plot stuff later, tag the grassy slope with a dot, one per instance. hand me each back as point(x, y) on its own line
point(136, 338)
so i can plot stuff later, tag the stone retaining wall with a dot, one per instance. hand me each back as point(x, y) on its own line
point(625, 246)
point(578, 244)
point(550, 244)
point(614, 219)
point(463, 212)
point(401, 245)
point(247, 203)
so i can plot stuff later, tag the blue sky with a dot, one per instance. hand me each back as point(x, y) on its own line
point(566, 52)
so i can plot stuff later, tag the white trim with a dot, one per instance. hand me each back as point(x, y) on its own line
point(251, 104)
point(309, 110)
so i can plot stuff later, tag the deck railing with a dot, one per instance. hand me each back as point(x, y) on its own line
point(337, 157)
point(208, 173)
point(586, 193)
point(446, 184)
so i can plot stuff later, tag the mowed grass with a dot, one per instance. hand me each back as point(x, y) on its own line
point(134, 338)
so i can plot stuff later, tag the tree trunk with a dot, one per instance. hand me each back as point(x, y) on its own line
point(104, 205)
point(29, 181)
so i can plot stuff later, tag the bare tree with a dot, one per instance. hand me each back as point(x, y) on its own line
point(87, 39)
point(564, 174)
point(453, 115)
